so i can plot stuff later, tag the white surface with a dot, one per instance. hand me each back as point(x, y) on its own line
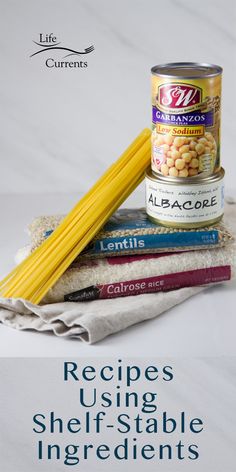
point(59, 130)
point(62, 127)
point(202, 326)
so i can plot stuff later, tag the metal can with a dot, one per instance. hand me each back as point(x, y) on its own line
point(181, 203)
point(186, 106)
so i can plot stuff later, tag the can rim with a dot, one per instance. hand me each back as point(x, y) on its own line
point(186, 226)
point(185, 180)
point(157, 70)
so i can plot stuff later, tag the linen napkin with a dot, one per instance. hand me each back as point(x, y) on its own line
point(90, 321)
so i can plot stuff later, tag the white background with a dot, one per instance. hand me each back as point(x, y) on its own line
point(60, 129)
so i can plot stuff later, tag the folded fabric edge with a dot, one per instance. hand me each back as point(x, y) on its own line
point(90, 325)
point(177, 297)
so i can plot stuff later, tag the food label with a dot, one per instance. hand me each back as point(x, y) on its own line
point(175, 203)
point(159, 283)
point(186, 126)
point(166, 282)
point(131, 231)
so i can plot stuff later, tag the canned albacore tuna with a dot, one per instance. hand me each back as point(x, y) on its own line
point(186, 119)
point(185, 203)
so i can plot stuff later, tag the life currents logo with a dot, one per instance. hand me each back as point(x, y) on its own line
point(58, 55)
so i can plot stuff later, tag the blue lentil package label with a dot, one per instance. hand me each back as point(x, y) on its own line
point(129, 231)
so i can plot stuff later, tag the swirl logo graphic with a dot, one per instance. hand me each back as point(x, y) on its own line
point(48, 43)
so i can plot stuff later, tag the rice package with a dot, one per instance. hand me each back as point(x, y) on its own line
point(132, 275)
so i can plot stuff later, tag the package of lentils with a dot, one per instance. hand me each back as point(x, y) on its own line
point(184, 187)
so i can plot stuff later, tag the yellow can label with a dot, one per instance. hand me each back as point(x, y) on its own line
point(186, 126)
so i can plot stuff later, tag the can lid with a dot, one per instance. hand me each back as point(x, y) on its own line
point(185, 180)
point(187, 70)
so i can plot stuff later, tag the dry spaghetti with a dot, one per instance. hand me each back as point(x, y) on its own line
point(33, 278)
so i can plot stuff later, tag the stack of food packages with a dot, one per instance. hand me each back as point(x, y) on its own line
point(133, 255)
point(180, 240)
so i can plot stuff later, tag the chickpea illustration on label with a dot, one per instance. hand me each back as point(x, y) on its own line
point(186, 119)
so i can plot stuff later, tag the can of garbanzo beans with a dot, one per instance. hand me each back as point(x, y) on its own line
point(186, 99)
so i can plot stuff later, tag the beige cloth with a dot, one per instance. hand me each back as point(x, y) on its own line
point(90, 321)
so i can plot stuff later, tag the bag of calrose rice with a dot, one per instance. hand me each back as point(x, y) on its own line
point(132, 275)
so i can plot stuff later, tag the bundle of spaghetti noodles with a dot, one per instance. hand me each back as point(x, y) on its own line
point(33, 278)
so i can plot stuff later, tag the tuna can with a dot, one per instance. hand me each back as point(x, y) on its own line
point(186, 107)
point(185, 203)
